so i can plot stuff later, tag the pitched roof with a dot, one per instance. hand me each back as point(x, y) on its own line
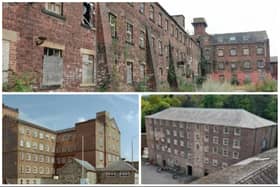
point(214, 116)
point(120, 165)
point(240, 37)
point(260, 169)
point(84, 164)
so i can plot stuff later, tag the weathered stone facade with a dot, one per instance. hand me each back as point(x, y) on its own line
point(200, 147)
point(239, 58)
point(116, 46)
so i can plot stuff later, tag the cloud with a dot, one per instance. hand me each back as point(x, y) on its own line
point(81, 119)
point(130, 116)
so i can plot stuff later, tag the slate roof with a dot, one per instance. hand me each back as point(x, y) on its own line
point(240, 37)
point(84, 164)
point(260, 169)
point(120, 165)
point(212, 116)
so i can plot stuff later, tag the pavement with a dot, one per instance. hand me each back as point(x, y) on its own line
point(151, 176)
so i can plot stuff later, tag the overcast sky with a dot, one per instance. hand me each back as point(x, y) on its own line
point(63, 111)
point(231, 16)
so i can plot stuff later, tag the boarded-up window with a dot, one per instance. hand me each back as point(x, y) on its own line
point(129, 73)
point(88, 69)
point(54, 7)
point(6, 59)
point(52, 67)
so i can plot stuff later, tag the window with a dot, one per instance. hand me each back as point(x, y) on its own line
point(27, 144)
point(47, 170)
point(247, 65)
point(160, 20)
point(206, 128)
point(235, 155)
point(236, 143)
point(260, 51)
point(206, 138)
point(21, 143)
point(169, 150)
point(113, 25)
point(197, 146)
point(233, 66)
point(237, 131)
point(41, 158)
point(197, 136)
point(35, 134)
point(233, 52)
point(174, 133)
point(27, 169)
point(175, 142)
point(206, 160)
point(166, 25)
point(41, 147)
point(129, 72)
point(27, 131)
point(151, 13)
point(89, 69)
point(34, 145)
point(142, 71)
point(232, 38)
point(226, 130)
point(41, 170)
point(56, 8)
point(246, 51)
point(177, 33)
point(216, 140)
point(220, 52)
point(214, 162)
point(181, 143)
point(34, 157)
point(142, 39)
point(172, 30)
point(225, 141)
point(215, 129)
point(34, 170)
point(221, 66)
point(124, 174)
point(88, 14)
point(41, 135)
point(225, 152)
point(215, 150)
point(175, 151)
point(142, 8)
point(47, 148)
point(167, 132)
point(129, 33)
point(260, 63)
point(160, 47)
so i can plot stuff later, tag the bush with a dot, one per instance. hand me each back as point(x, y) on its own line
point(216, 86)
point(19, 83)
point(267, 85)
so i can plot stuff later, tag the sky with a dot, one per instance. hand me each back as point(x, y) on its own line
point(63, 111)
point(231, 16)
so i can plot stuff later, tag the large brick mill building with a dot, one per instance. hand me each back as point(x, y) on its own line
point(203, 141)
point(96, 46)
point(239, 58)
point(32, 153)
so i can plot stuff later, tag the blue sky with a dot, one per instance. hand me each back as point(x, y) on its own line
point(63, 111)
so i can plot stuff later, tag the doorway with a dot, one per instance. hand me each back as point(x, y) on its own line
point(189, 170)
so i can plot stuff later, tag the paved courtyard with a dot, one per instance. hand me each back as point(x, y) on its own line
point(151, 176)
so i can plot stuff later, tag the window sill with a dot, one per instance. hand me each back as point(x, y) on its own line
point(87, 85)
point(88, 27)
point(53, 14)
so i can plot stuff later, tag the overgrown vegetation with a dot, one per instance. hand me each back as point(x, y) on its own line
point(19, 83)
point(216, 86)
point(261, 105)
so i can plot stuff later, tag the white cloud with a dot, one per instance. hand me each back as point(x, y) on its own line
point(130, 116)
point(81, 119)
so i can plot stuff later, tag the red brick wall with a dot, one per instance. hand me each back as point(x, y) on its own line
point(31, 23)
